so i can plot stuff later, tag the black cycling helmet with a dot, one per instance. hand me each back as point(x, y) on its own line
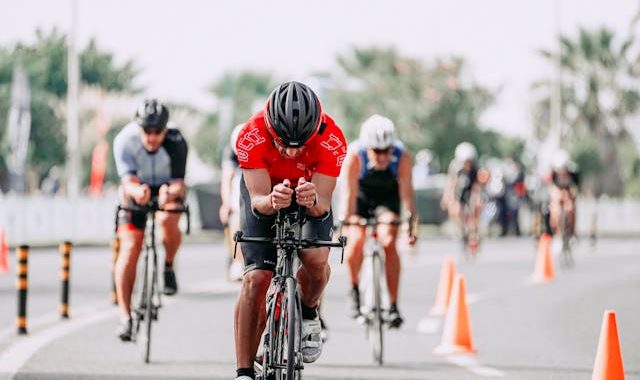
point(292, 114)
point(152, 114)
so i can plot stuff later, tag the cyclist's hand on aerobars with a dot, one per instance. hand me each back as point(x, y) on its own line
point(305, 193)
point(143, 194)
point(281, 195)
point(163, 195)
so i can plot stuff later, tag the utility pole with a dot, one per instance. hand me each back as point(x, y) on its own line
point(555, 130)
point(73, 135)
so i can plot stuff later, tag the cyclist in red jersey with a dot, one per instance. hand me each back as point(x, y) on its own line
point(290, 147)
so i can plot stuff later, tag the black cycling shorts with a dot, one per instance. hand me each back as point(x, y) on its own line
point(130, 220)
point(366, 206)
point(254, 224)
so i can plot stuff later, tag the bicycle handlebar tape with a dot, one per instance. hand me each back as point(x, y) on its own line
point(22, 255)
point(115, 249)
point(65, 264)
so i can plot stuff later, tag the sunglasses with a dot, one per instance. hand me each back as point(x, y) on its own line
point(153, 131)
point(381, 151)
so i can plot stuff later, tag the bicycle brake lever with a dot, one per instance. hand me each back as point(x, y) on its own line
point(189, 221)
point(237, 236)
point(343, 241)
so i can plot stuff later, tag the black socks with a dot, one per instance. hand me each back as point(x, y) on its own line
point(309, 312)
point(246, 372)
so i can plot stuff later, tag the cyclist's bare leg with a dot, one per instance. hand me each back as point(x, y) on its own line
point(554, 208)
point(125, 268)
point(313, 275)
point(171, 234)
point(455, 211)
point(250, 315)
point(388, 236)
point(356, 237)
point(570, 211)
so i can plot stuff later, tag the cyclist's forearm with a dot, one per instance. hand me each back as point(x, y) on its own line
point(263, 204)
point(131, 187)
point(322, 206)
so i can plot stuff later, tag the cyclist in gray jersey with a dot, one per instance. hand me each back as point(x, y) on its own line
point(151, 161)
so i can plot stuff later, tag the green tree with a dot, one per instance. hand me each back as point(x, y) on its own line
point(243, 91)
point(45, 62)
point(599, 93)
point(433, 105)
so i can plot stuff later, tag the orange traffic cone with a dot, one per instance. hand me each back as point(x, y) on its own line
point(443, 295)
point(456, 335)
point(544, 271)
point(608, 365)
point(4, 253)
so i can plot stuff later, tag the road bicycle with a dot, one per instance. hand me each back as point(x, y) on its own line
point(147, 298)
point(281, 343)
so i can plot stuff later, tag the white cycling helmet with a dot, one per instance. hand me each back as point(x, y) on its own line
point(465, 151)
point(561, 160)
point(233, 139)
point(424, 157)
point(377, 132)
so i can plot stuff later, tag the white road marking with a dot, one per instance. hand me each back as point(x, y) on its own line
point(471, 364)
point(429, 325)
point(17, 354)
point(37, 323)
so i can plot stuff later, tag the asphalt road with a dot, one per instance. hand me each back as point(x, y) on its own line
point(520, 330)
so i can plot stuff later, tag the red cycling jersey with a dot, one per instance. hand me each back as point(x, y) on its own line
point(323, 153)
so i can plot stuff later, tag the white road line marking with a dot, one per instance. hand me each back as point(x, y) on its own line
point(17, 354)
point(429, 325)
point(36, 323)
point(471, 364)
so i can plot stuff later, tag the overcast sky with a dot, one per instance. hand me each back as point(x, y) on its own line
point(183, 46)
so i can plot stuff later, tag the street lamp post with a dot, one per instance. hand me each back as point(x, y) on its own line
point(73, 145)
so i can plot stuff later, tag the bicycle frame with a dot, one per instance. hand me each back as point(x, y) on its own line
point(287, 330)
point(148, 299)
point(372, 286)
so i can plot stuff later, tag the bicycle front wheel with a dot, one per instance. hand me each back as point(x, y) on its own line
point(294, 329)
point(151, 277)
point(376, 323)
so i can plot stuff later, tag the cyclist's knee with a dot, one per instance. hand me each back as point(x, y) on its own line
point(130, 243)
point(255, 283)
point(388, 241)
point(315, 260)
point(356, 238)
point(168, 221)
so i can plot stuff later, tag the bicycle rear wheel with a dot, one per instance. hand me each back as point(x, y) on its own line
point(376, 322)
point(150, 282)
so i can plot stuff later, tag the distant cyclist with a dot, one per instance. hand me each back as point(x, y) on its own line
point(230, 206)
point(462, 194)
point(378, 180)
point(565, 179)
point(291, 147)
point(151, 162)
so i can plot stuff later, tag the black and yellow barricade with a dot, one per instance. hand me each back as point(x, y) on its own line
point(22, 255)
point(65, 265)
point(115, 249)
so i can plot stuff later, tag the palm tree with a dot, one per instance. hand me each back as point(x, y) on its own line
point(598, 98)
point(433, 104)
